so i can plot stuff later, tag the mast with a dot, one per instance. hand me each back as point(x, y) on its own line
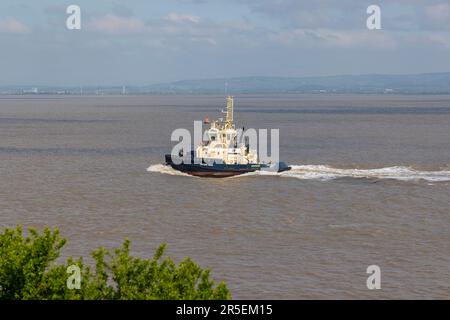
point(229, 118)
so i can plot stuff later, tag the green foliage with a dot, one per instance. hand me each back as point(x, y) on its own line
point(28, 271)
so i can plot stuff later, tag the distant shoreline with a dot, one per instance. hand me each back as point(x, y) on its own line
point(62, 96)
point(421, 84)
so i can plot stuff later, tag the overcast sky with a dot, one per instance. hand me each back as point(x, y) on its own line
point(147, 41)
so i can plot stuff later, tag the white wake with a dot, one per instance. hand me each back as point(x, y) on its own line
point(162, 168)
point(324, 173)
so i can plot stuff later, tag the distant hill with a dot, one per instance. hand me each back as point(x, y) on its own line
point(371, 83)
point(426, 83)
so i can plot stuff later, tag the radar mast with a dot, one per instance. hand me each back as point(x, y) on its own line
point(229, 118)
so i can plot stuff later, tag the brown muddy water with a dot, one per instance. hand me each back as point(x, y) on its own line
point(370, 185)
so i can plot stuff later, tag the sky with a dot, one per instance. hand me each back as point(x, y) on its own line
point(139, 42)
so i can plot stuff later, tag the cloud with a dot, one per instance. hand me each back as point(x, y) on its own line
point(172, 30)
point(12, 25)
point(351, 14)
point(176, 30)
point(311, 14)
point(438, 15)
point(334, 38)
point(443, 40)
point(176, 17)
point(145, 41)
point(113, 24)
point(172, 23)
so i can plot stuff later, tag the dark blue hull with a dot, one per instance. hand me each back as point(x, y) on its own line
point(219, 170)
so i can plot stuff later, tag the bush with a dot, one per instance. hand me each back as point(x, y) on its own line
point(28, 271)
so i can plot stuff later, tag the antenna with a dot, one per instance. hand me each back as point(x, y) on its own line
point(226, 87)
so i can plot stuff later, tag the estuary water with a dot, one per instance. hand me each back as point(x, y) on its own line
point(370, 185)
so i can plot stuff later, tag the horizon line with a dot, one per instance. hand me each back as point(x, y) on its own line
point(220, 78)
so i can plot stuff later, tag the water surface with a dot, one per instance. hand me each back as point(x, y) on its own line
point(370, 185)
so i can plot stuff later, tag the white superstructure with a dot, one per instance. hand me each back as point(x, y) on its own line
point(222, 142)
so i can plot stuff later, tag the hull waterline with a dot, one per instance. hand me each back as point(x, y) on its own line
point(220, 170)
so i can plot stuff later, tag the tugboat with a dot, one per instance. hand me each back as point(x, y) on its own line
point(221, 155)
